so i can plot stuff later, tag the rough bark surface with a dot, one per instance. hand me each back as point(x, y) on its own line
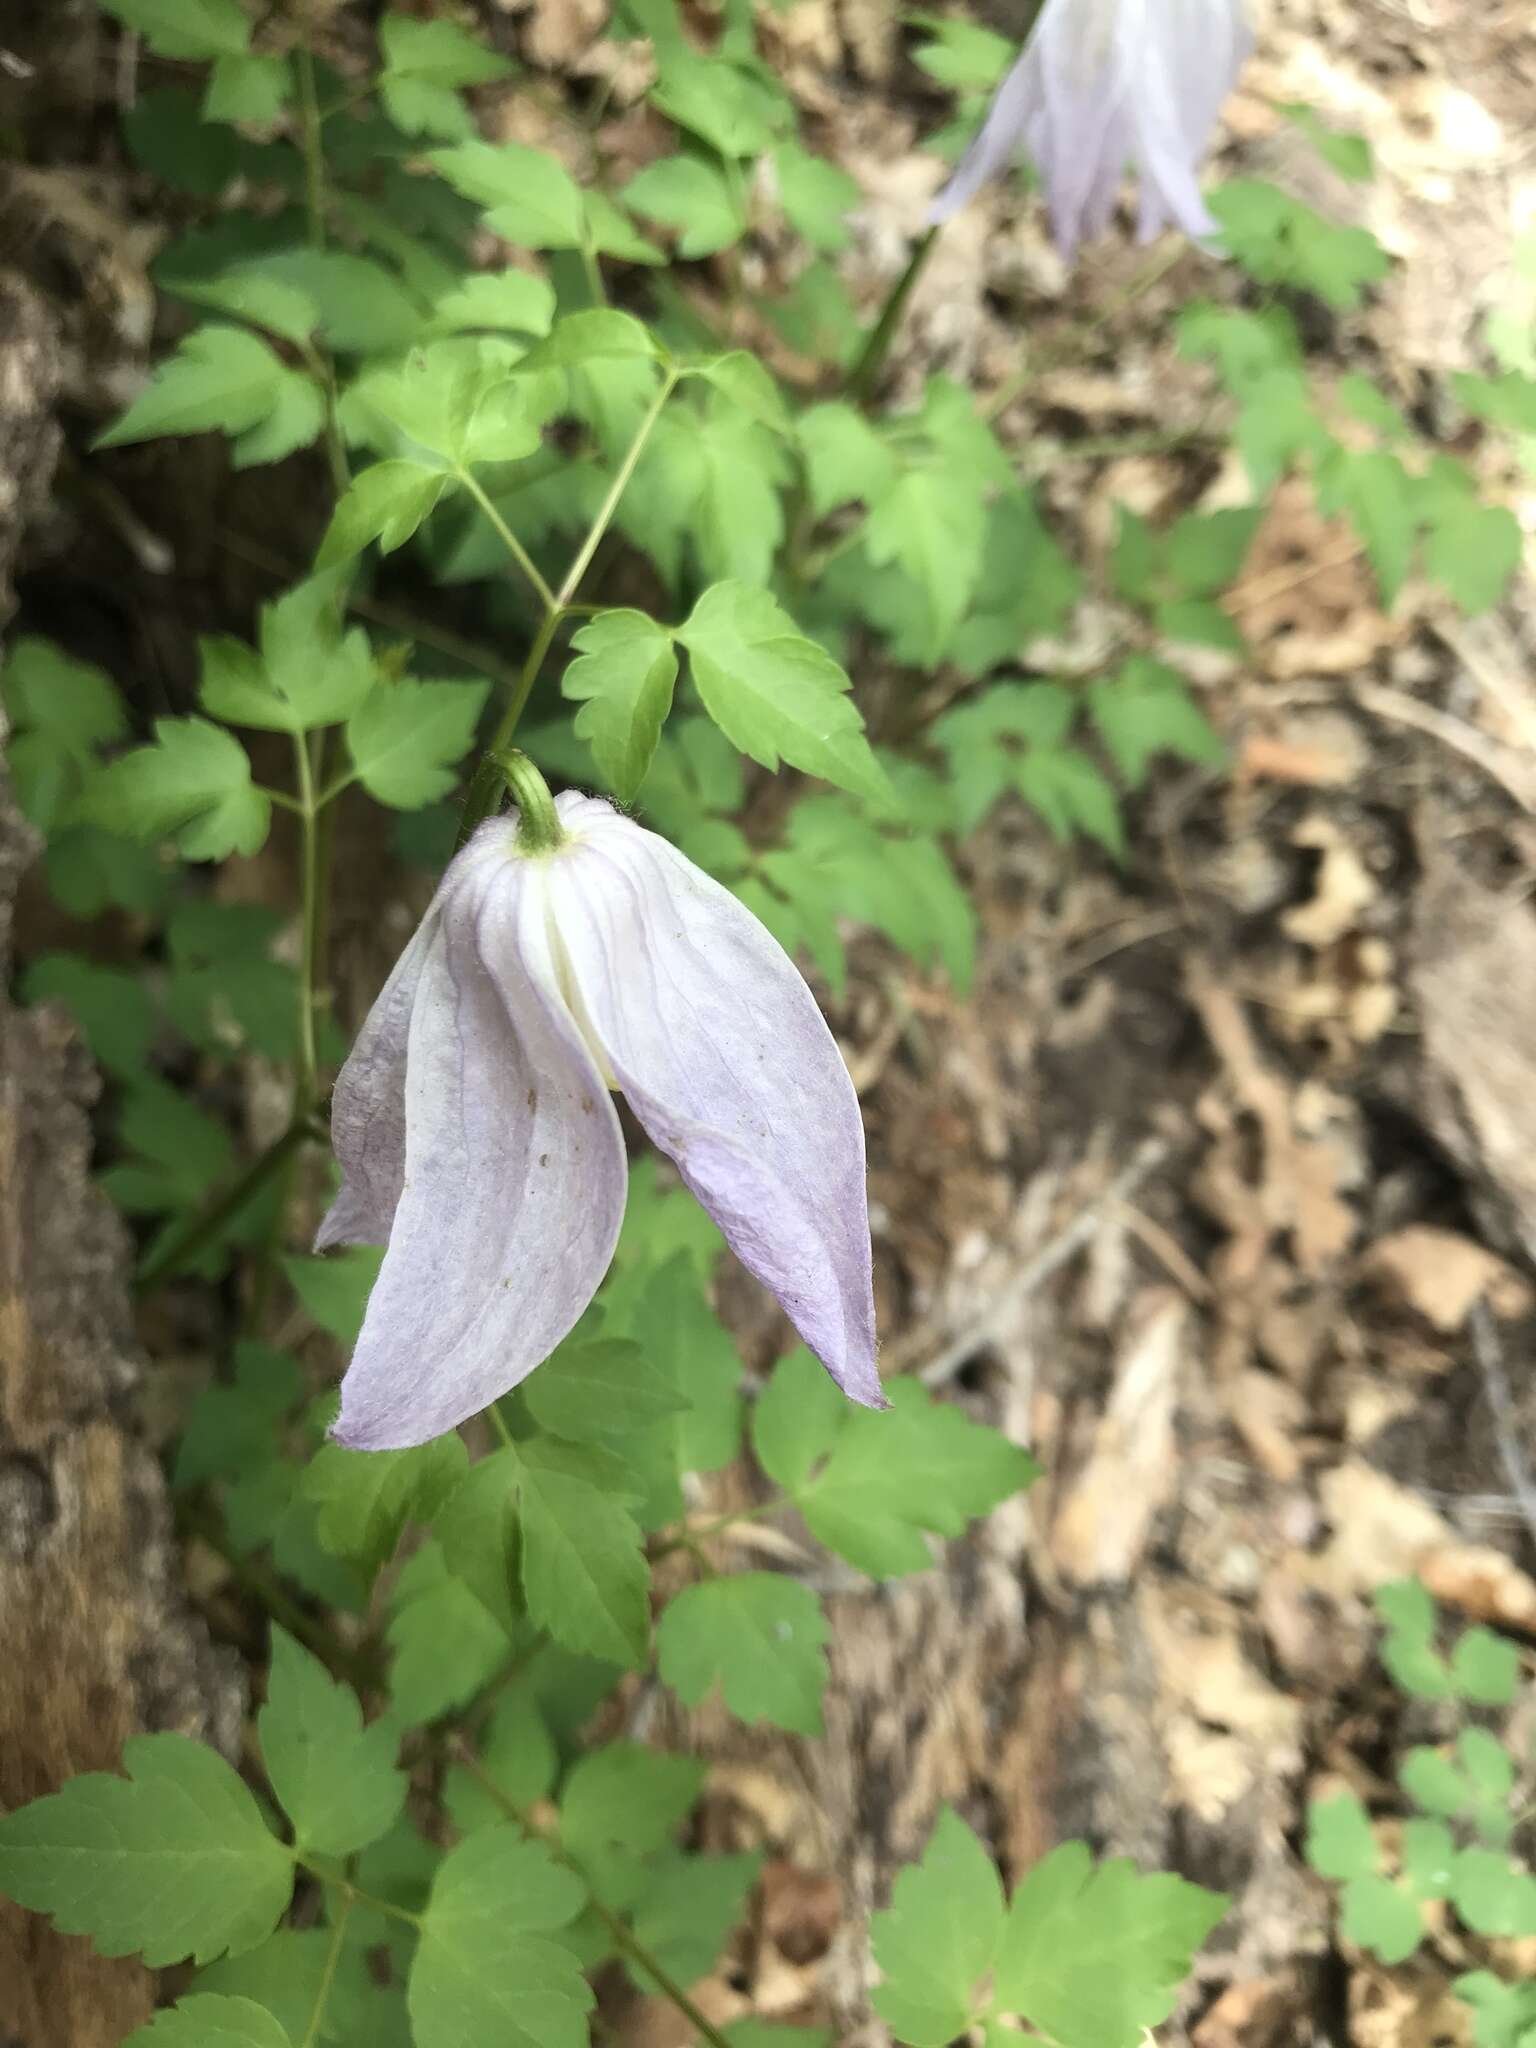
point(98, 1643)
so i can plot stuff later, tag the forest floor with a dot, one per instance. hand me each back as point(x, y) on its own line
point(1220, 1189)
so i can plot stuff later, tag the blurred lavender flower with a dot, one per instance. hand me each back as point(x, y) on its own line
point(1103, 84)
point(478, 1139)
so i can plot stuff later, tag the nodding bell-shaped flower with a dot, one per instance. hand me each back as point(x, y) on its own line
point(568, 952)
point(1103, 84)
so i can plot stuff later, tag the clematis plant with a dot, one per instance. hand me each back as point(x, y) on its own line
point(569, 952)
point(1103, 84)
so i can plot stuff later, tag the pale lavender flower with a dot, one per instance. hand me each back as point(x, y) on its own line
point(479, 1141)
point(1106, 84)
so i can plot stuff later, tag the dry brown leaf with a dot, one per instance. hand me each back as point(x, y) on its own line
point(1343, 887)
point(1481, 1583)
point(1102, 1528)
point(1441, 1274)
point(1380, 1530)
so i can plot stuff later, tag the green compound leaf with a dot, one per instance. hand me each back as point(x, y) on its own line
point(775, 694)
point(604, 1387)
point(923, 1466)
point(796, 1419)
point(308, 673)
point(1491, 1895)
point(625, 1799)
point(1505, 2013)
point(816, 196)
point(1373, 490)
point(448, 1645)
point(1093, 1955)
point(623, 678)
point(841, 863)
point(1474, 550)
point(1280, 240)
point(757, 1635)
point(173, 1860)
point(931, 523)
point(1340, 1843)
point(532, 200)
point(685, 1914)
point(182, 1151)
point(198, 29)
point(1348, 154)
point(1145, 710)
point(335, 1288)
point(510, 300)
point(207, 2020)
point(585, 1577)
point(845, 458)
point(193, 782)
point(292, 1974)
point(74, 703)
point(364, 309)
point(1485, 1668)
point(694, 196)
point(229, 380)
point(519, 1756)
point(335, 1779)
point(747, 383)
point(486, 1969)
point(112, 1007)
point(1379, 1915)
point(734, 109)
point(232, 1429)
point(252, 88)
point(939, 1937)
point(407, 739)
point(1429, 1852)
point(385, 504)
point(610, 232)
point(1071, 796)
point(598, 335)
point(251, 294)
point(424, 61)
point(365, 1498)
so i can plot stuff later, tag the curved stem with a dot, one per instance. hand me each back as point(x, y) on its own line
point(616, 490)
point(309, 883)
point(201, 1230)
point(312, 147)
point(354, 1895)
point(484, 791)
point(508, 539)
point(623, 1937)
point(865, 374)
point(328, 1973)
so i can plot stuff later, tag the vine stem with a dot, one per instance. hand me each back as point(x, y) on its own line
point(865, 373)
point(486, 784)
point(309, 883)
point(623, 1938)
point(201, 1230)
point(509, 539)
point(328, 1973)
point(353, 1895)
